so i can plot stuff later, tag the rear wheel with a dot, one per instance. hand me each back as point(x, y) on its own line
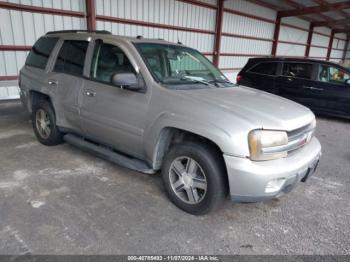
point(44, 124)
point(194, 178)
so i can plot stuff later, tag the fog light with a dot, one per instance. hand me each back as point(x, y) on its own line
point(274, 185)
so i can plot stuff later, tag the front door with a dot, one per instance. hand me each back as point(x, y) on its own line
point(109, 114)
point(331, 91)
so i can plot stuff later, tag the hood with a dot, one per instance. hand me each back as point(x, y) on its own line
point(258, 108)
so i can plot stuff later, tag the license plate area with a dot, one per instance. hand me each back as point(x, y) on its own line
point(310, 171)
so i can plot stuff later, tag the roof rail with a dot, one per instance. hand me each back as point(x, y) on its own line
point(79, 31)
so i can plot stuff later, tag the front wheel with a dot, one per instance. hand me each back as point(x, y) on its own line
point(194, 177)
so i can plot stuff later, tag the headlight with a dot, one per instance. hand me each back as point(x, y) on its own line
point(262, 141)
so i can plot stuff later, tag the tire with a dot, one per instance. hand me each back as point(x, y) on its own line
point(210, 167)
point(51, 136)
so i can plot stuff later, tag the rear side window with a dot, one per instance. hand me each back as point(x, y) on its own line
point(301, 70)
point(40, 53)
point(268, 68)
point(71, 57)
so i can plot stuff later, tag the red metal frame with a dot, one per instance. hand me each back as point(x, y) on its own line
point(15, 48)
point(276, 35)
point(330, 45)
point(8, 78)
point(346, 47)
point(218, 32)
point(38, 9)
point(90, 15)
point(309, 38)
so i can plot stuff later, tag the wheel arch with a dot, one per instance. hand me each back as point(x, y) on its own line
point(35, 97)
point(170, 136)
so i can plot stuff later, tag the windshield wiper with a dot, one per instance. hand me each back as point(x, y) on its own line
point(221, 81)
point(195, 80)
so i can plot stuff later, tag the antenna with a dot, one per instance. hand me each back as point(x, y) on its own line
point(178, 41)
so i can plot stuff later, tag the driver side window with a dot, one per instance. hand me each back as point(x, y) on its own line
point(108, 60)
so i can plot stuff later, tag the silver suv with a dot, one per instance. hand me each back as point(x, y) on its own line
point(153, 105)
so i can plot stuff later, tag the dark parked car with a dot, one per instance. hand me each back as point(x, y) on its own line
point(322, 86)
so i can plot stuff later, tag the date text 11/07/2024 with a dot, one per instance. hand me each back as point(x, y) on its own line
point(173, 258)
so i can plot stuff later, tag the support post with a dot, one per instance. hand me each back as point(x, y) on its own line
point(345, 49)
point(330, 45)
point(309, 39)
point(90, 15)
point(218, 32)
point(276, 34)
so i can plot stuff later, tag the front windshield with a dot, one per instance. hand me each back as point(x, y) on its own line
point(174, 65)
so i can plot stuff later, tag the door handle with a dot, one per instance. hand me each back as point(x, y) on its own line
point(313, 88)
point(53, 82)
point(90, 93)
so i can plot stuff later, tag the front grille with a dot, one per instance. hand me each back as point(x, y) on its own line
point(300, 137)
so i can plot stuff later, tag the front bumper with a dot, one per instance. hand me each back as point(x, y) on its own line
point(248, 180)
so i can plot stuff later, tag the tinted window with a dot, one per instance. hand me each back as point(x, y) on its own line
point(301, 70)
point(331, 74)
point(108, 60)
point(265, 68)
point(71, 57)
point(40, 53)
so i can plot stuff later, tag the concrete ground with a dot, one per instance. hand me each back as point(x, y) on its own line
point(60, 200)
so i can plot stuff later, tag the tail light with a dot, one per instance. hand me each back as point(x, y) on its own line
point(238, 78)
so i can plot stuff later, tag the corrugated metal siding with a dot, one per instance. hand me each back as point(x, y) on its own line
point(246, 26)
point(202, 42)
point(24, 28)
point(296, 22)
point(250, 8)
point(169, 12)
point(290, 50)
point(293, 35)
point(323, 30)
point(316, 52)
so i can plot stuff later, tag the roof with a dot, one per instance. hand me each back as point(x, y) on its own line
point(301, 59)
point(107, 34)
point(334, 14)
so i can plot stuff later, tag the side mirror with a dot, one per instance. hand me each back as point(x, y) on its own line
point(347, 82)
point(127, 81)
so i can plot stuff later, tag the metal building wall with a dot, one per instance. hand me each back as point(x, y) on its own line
point(338, 46)
point(20, 29)
point(292, 37)
point(170, 20)
point(247, 32)
point(319, 42)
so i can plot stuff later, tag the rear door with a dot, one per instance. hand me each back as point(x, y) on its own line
point(66, 79)
point(331, 90)
point(34, 75)
point(261, 76)
point(295, 78)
